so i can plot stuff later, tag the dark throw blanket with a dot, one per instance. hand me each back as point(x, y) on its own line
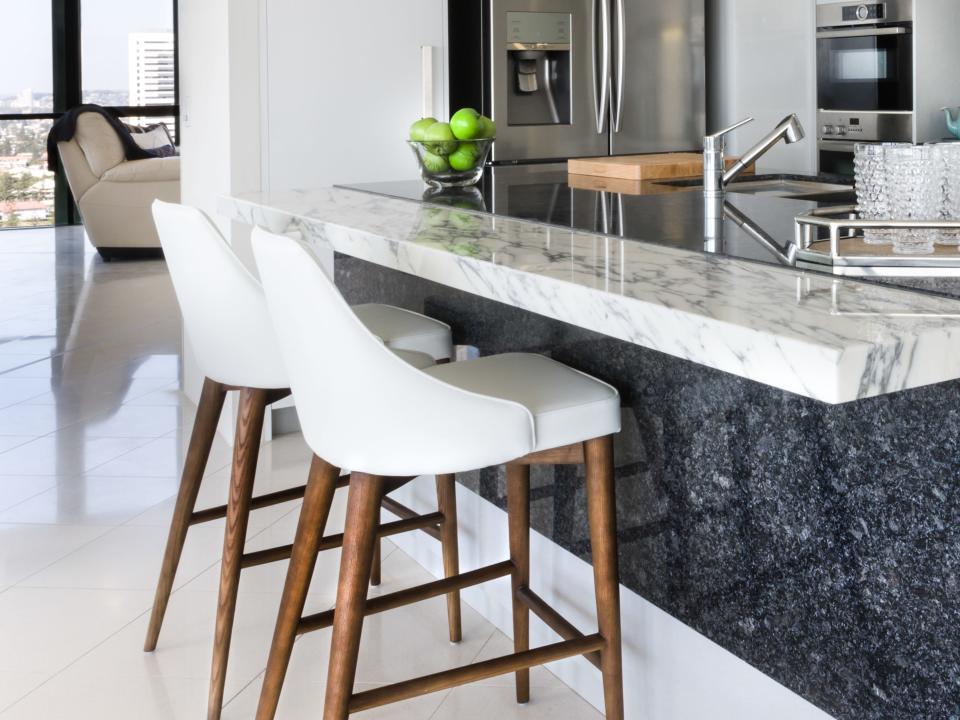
point(65, 128)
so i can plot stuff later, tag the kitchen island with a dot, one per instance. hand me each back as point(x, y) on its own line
point(788, 464)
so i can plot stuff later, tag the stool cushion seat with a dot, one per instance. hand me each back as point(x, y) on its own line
point(401, 329)
point(419, 360)
point(567, 405)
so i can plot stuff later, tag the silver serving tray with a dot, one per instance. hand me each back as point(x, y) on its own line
point(831, 239)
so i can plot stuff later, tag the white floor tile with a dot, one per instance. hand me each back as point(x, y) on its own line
point(27, 549)
point(186, 641)
point(90, 695)
point(128, 558)
point(44, 631)
point(134, 421)
point(66, 452)
point(88, 500)
point(14, 490)
point(15, 685)
point(482, 702)
point(8, 442)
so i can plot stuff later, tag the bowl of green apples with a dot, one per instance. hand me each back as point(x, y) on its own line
point(452, 154)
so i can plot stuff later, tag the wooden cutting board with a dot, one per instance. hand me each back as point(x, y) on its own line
point(660, 166)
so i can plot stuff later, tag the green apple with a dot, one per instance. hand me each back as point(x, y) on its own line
point(487, 127)
point(440, 138)
point(466, 124)
point(419, 128)
point(463, 158)
point(435, 163)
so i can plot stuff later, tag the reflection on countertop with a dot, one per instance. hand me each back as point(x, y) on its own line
point(664, 212)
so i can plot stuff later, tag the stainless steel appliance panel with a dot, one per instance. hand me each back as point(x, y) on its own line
point(521, 71)
point(866, 126)
point(854, 14)
point(658, 97)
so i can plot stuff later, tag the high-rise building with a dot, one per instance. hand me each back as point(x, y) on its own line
point(151, 68)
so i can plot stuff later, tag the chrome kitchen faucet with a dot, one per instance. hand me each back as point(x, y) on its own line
point(715, 175)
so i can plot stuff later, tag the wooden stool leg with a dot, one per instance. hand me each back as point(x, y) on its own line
point(246, 450)
point(317, 500)
point(518, 513)
point(363, 518)
point(198, 451)
point(447, 504)
point(377, 562)
point(602, 512)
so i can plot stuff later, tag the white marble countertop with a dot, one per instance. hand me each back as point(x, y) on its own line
point(826, 338)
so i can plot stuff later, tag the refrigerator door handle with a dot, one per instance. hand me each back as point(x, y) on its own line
point(621, 65)
point(601, 96)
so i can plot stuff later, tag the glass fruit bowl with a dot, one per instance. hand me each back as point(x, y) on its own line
point(452, 163)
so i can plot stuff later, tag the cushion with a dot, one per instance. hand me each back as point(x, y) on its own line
point(154, 137)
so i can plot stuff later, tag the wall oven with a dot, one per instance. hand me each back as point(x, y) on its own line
point(865, 71)
point(884, 71)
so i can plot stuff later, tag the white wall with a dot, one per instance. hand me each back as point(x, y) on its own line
point(763, 65)
point(344, 85)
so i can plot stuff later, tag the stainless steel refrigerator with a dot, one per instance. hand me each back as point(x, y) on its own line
point(581, 78)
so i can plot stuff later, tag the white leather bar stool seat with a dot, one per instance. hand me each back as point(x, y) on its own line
point(402, 329)
point(566, 405)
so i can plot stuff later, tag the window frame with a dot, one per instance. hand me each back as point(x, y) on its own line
point(68, 90)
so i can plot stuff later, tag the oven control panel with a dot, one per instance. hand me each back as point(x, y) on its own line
point(845, 14)
point(866, 127)
point(872, 11)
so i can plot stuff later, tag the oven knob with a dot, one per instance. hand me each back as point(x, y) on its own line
point(828, 129)
point(841, 130)
point(863, 13)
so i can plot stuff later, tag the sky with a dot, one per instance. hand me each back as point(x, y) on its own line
point(26, 38)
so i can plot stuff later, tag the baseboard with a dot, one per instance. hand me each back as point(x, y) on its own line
point(671, 672)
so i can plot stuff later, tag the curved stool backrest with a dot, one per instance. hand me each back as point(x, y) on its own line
point(360, 406)
point(224, 309)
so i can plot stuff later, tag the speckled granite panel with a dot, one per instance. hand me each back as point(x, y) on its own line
point(819, 543)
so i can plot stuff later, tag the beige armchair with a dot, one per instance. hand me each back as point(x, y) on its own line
point(114, 195)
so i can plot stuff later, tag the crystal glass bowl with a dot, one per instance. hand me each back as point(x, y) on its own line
point(457, 163)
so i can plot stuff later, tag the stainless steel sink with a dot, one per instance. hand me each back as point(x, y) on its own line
point(782, 186)
point(785, 188)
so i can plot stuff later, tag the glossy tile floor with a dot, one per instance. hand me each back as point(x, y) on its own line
point(93, 431)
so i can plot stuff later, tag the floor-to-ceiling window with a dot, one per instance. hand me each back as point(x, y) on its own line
point(56, 54)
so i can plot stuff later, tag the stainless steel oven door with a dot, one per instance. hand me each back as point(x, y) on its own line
point(836, 157)
point(865, 68)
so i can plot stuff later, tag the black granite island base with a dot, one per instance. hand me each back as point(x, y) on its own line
point(819, 543)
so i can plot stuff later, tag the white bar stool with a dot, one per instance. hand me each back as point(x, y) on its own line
point(225, 315)
point(364, 409)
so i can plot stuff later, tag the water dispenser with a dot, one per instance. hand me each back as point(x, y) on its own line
point(538, 66)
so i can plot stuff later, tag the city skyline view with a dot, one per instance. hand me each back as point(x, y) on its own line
point(26, 55)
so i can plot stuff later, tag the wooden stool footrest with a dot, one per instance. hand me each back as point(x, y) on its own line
point(477, 671)
point(411, 595)
point(329, 542)
point(274, 498)
point(554, 620)
point(402, 511)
